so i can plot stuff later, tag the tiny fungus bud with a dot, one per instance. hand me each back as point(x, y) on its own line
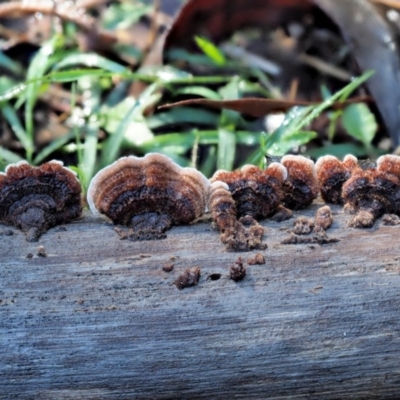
point(323, 219)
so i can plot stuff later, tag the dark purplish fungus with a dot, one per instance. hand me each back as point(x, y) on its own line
point(256, 192)
point(35, 199)
point(301, 186)
point(332, 174)
point(148, 195)
point(373, 191)
point(238, 235)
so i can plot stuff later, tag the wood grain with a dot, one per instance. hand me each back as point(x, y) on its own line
point(98, 318)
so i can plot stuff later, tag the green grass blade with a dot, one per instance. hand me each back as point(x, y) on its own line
point(8, 157)
point(11, 117)
point(53, 146)
point(226, 149)
point(201, 91)
point(37, 69)
point(212, 51)
point(11, 65)
point(148, 97)
point(90, 60)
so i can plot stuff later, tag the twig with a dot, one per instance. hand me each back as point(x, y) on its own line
point(325, 67)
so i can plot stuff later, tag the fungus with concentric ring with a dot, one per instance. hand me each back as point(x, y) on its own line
point(35, 199)
point(256, 193)
point(332, 174)
point(301, 186)
point(148, 195)
point(373, 191)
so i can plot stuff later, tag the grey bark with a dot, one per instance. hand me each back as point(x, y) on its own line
point(98, 318)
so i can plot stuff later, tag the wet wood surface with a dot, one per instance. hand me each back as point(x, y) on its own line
point(98, 318)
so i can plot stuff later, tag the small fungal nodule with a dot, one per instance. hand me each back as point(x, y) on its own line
point(148, 194)
point(35, 199)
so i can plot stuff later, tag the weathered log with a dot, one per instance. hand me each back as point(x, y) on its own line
point(98, 318)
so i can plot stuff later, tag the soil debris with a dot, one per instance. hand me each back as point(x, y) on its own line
point(41, 251)
point(303, 225)
point(168, 267)
point(237, 271)
point(319, 238)
point(257, 259)
point(190, 277)
point(390, 219)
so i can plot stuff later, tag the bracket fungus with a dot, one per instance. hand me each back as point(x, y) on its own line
point(301, 186)
point(148, 195)
point(35, 199)
point(373, 191)
point(256, 193)
point(244, 234)
point(332, 174)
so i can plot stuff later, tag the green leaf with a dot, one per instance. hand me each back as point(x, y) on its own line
point(89, 154)
point(8, 157)
point(124, 15)
point(53, 146)
point(8, 63)
point(230, 91)
point(165, 73)
point(134, 115)
point(11, 117)
point(298, 118)
point(184, 55)
point(90, 60)
point(226, 149)
point(291, 141)
point(183, 115)
point(201, 91)
point(360, 123)
point(212, 51)
point(337, 150)
point(37, 69)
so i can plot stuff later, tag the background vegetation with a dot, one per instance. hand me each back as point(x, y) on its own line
point(67, 96)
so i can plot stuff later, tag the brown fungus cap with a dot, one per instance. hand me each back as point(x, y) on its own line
point(332, 174)
point(135, 191)
point(255, 192)
point(373, 192)
point(301, 186)
point(244, 234)
point(36, 198)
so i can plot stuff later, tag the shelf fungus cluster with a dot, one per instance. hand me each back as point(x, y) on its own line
point(367, 190)
point(148, 195)
point(239, 199)
point(35, 199)
point(144, 197)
